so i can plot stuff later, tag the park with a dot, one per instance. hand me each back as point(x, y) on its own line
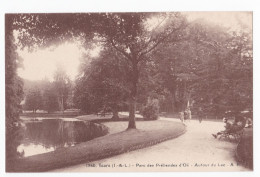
point(101, 92)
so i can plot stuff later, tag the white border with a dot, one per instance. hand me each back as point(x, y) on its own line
point(44, 6)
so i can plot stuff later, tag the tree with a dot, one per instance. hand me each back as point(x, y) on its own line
point(174, 70)
point(128, 33)
point(13, 93)
point(207, 68)
point(48, 95)
point(33, 100)
point(135, 36)
point(50, 99)
point(219, 69)
point(240, 74)
point(103, 85)
point(62, 85)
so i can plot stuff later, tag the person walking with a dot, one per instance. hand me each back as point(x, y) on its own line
point(182, 116)
point(189, 114)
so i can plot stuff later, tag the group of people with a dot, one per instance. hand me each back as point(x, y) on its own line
point(233, 123)
point(238, 124)
point(185, 115)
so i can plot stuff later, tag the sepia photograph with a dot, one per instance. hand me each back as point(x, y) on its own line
point(133, 91)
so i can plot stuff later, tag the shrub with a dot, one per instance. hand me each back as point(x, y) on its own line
point(151, 110)
point(245, 148)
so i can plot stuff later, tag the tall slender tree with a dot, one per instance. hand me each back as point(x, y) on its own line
point(62, 86)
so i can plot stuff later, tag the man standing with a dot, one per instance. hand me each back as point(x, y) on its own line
point(200, 114)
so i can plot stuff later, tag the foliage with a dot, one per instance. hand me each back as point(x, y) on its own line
point(49, 94)
point(50, 99)
point(128, 33)
point(151, 110)
point(212, 69)
point(33, 100)
point(225, 74)
point(14, 95)
point(103, 85)
point(244, 149)
point(191, 57)
point(145, 55)
point(62, 87)
point(174, 72)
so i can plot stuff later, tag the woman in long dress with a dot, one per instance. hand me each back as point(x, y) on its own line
point(182, 116)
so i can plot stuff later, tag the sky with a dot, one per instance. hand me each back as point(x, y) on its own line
point(226, 19)
point(42, 64)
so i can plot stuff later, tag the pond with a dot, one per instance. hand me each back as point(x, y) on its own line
point(45, 135)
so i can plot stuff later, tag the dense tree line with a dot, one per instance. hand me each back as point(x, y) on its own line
point(213, 69)
point(49, 96)
point(191, 58)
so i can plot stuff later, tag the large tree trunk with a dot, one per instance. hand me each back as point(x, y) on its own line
point(173, 99)
point(62, 105)
point(132, 100)
point(132, 106)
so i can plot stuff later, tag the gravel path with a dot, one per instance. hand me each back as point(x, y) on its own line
point(196, 150)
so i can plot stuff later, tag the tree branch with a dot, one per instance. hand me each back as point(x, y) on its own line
point(120, 50)
point(160, 41)
point(152, 32)
point(157, 26)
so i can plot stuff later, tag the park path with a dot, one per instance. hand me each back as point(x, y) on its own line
point(196, 150)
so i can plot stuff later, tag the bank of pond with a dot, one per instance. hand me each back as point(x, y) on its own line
point(41, 135)
point(49, 144)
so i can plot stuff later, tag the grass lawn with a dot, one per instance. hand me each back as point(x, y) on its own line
point(118, 141)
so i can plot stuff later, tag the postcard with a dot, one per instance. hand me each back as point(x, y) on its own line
point(129, 91)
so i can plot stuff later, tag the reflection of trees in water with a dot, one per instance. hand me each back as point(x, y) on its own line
point(57, 133)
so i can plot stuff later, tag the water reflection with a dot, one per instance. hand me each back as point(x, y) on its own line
point(30, 149)
point(51, 134)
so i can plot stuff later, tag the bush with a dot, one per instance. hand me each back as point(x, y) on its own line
point(151, 110)
point(245, 148)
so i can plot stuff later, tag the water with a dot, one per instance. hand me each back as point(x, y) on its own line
point(45, 135)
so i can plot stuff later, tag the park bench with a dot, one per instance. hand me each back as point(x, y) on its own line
point(232, 136)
